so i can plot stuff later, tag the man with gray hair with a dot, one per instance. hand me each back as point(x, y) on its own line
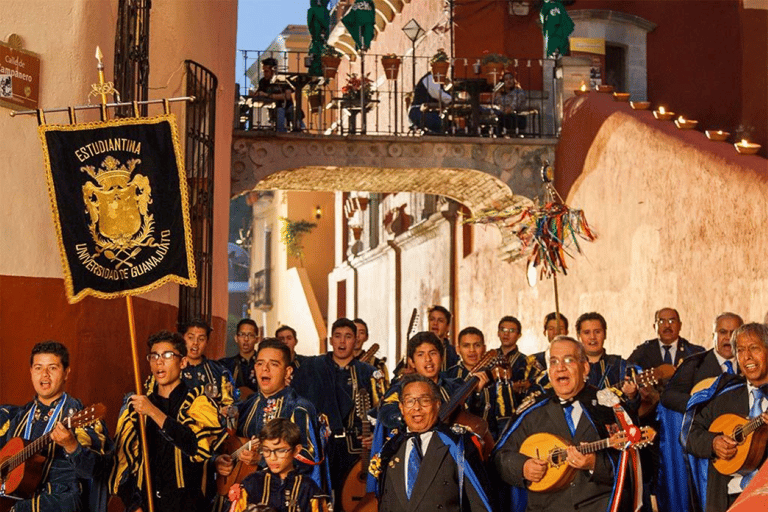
point(742, 395)
point(698, 369)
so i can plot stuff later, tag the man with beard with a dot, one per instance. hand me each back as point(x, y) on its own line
point(575, 415)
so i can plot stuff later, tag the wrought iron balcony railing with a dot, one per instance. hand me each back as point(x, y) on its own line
point(331, 105)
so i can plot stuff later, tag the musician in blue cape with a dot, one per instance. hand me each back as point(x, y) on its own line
point(574, 414)
point(536, 364)
point(332, 382)
point(606, 370)
point(697, 371)
point(277, 400)
point(240, 365)
point(183, 431)
point(509, 333)
point(201, 371)
point(73, 459)
point(362, 337)
point(429, 465)
point(744, 397)
point(491, 397)
point(287, 335)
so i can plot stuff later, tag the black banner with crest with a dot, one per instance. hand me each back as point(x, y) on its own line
point(120, 206)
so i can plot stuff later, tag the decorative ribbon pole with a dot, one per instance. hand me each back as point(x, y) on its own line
point(103, 89)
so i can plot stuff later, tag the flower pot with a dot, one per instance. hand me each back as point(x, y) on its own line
point(315, 101)
point(439, 71)
point(330, 65)
point(493, 72)
point(391, 67)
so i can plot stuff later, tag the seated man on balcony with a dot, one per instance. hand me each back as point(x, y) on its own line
point(278, 93)
point(510, 102)
point(428, 91)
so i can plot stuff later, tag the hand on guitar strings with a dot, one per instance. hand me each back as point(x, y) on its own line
point(724, 447)
point(578, 460)
point(482, 381)
point(63, 437)
point(534, 469)
point(224, 465)
point(252, 456)
point(629, 388)
point(366, 441)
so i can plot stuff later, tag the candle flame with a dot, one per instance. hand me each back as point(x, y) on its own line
point(661, 110)
point(681, 119)
point(719, 132)
point(744, 142)
point(583, 87)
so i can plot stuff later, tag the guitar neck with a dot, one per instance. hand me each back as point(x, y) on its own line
point(593, 447)
point(25, 454)
point(752, 425)
point(236, 454)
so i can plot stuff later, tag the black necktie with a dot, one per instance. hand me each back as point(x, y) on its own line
point(667, 354)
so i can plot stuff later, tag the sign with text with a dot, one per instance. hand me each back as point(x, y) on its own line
point(120, 207)
point(19, 78)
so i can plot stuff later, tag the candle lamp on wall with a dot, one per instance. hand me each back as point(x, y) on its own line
point(318, 212)
point(685, 124)
point(640, 105)
point(717, 135)
point(581, 91)
point(662, 114)
point(745, 147)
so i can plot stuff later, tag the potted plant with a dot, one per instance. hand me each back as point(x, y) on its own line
point(331, 59)
point(492, 66)
point(391, 63)
point(355, 86)
point(314, 96)
point(439, 63)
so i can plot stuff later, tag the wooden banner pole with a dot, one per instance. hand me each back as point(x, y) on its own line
point(137, 382)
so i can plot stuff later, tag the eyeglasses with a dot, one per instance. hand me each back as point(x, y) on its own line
point(277, 452)
point(668, 321)
point(154, 356)
point(511, 329)
point(250, 335)
point(567, 361)
point(423, 401)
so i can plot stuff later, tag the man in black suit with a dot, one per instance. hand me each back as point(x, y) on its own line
point(703, 365)
point(418, 470)
point(668, 348)
point(574, 415)
point(744, 396)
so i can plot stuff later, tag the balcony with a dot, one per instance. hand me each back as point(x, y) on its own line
point(329, 108)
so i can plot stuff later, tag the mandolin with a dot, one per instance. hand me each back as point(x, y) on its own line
point(553, 449)
point(751, 436)
point(240, 470)
point(649, 379)
point(353, 495)
point(21, 464)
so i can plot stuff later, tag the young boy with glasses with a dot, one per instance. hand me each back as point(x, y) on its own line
point(278, 485)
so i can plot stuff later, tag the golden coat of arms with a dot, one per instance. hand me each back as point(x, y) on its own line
point(118, 207)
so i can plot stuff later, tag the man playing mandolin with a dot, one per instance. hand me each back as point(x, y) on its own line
point(575, 416)
point(735, 400)
point(70, 457)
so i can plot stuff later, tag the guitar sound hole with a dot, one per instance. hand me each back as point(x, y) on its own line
point(558, 457)
point(738, 435)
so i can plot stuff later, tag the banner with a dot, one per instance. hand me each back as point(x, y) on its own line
point(119, 199)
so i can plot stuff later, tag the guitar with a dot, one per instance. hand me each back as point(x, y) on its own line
point(236, 445)
point(553, 448)
point(751, 436)
point(369, 354)
point(353, 495)
point(649, 379)
point(21, 464)
point(448, 411)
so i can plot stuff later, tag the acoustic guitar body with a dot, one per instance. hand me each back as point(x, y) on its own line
point(749, 452)
point(240, 469)
point(24, 478)
point(559, 473)
point(353, 490)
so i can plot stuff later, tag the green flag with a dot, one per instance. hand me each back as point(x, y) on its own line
point(359, 21)
point(557, 26)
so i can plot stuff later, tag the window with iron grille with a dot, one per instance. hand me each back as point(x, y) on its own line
point(132, 53)
point(199, 161)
